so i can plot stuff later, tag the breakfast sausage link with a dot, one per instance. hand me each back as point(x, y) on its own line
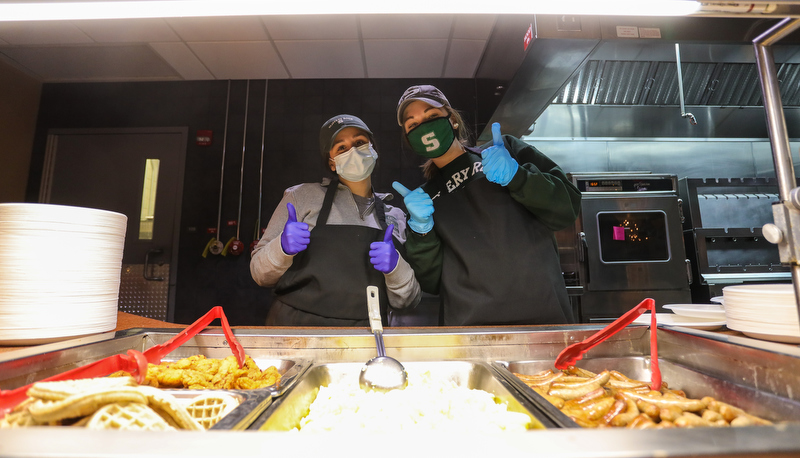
point(670, 413)
point(573, 370)
point(599, 380)
point(691, 405)
point(570, 392)
point(592, 411)
point(616, 409)
point(690, 420)
point(587, 398)
point(540, 381)
point(558, 402)
point(642, 421)
point(733, 414)
point(651, 410)
point(628, 415)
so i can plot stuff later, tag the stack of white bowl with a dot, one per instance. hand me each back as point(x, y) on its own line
point(59, 271)
point(767, 311)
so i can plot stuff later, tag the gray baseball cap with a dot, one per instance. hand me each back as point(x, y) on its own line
point(426, 93)
point(328, 131)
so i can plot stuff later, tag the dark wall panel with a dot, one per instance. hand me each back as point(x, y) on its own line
point(295, 111)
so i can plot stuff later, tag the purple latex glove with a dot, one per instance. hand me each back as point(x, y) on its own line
point(498, 165)
point(383, 255)
point(295, 236)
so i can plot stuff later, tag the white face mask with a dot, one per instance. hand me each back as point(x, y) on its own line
point(357, 163)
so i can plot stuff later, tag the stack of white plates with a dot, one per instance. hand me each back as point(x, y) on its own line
point(686, 321)
point(59, 271)
point(766, 311)
point(714, 312)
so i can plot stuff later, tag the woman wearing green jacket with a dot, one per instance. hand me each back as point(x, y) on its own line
point(481, 229)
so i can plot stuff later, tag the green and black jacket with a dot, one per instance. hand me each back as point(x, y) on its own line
point(492, 254)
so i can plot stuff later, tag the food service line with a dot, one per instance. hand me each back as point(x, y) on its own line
point(711, 361)
point(128, 321)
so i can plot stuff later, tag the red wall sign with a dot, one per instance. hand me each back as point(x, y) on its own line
point(204, 137)
point(528, 37)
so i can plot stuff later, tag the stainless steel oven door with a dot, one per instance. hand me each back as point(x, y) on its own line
point(634, 243)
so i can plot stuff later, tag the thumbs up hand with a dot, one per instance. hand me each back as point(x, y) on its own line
point(420, 207)
point(295, 236)
point(383, 255)
point(498, 165)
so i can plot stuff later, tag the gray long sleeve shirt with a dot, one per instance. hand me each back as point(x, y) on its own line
point(269, 262)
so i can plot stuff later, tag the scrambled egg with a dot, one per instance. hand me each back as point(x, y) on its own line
point(426, 404)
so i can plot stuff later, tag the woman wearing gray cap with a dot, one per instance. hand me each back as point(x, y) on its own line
point(481, 228)
point(326, 242)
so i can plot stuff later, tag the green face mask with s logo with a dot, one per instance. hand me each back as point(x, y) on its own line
point(432, 138)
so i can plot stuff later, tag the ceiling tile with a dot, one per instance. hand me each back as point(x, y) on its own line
point(322, 59)
point(128, 30)
point(92, 63)
point(183, 60)
point(384, 26)
point(313, 27)
point(463, 58)
point(240, 60)
point(405, 58)
point(473, 26)
point(42, 33)
point(246, 28)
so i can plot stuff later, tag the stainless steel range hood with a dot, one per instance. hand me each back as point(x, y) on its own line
point(582, 77)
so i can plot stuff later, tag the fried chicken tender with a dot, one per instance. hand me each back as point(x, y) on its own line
point(187, 363)
point(151, 378)
point(198, 372)
point(264, 379)
point(210, 366)
point(169, 378)
point(196, 380)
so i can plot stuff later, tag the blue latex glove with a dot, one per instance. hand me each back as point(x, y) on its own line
point(420, 207)
point(295, 236)
point(498, 165)
point(382, 255)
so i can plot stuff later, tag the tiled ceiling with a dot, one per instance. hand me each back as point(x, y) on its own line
point(252, 47)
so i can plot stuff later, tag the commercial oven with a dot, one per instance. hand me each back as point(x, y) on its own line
point(722, 230)
point(628, 242)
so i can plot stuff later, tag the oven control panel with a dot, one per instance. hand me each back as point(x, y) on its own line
point(626, 184)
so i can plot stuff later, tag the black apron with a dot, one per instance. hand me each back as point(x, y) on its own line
point(500, 264)
point(329, 279)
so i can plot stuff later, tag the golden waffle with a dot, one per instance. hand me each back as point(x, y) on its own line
point(208, 409)
point(82, 404)
point(169, 406)
point(17, 420)
point(62, 389)
point(127, 416)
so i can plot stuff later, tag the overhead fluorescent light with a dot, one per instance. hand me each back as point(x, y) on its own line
point(69, 10)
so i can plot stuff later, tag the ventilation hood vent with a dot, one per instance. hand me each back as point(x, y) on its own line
point(656, 83)
point(592, 82)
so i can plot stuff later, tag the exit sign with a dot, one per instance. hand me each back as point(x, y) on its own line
point(528, 37)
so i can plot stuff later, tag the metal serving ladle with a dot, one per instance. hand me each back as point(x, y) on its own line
point(381, 373)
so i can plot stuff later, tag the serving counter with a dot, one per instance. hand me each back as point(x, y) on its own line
point(760, 377)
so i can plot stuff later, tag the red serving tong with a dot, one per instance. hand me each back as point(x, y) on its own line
point(570, 355)
point(134, 362)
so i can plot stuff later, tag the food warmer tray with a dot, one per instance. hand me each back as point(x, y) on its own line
point(285, 413)
point(22, 371)
point(695, 384)
point(764, 370)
